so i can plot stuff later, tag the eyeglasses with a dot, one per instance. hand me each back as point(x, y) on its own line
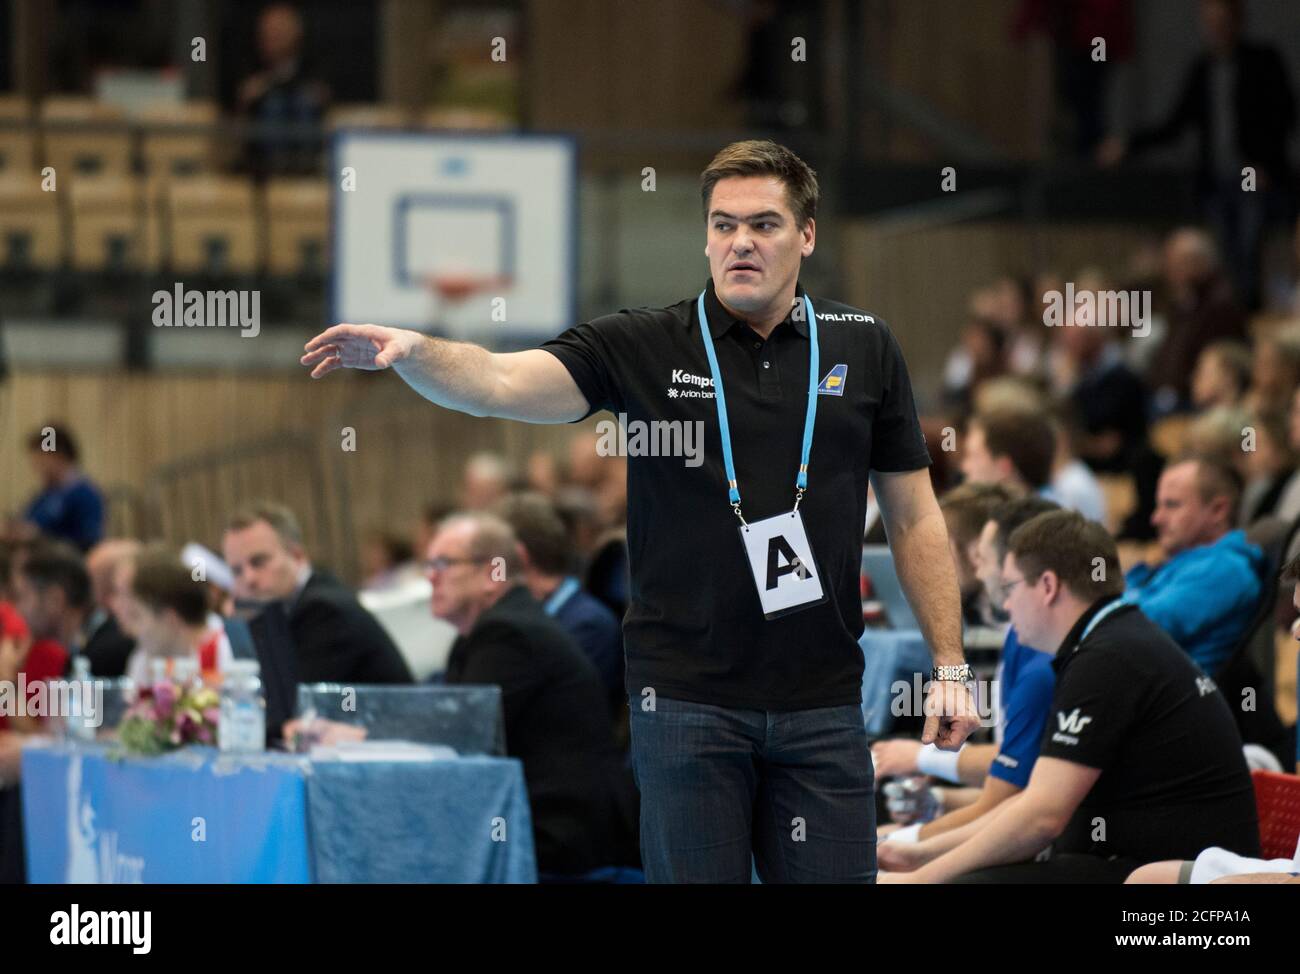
point(1009, 583)
point(442, 564)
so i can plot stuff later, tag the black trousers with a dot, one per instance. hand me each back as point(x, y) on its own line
point(11, 836)
point(1064, 869)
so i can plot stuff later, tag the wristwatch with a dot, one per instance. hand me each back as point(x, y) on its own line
point(953, 674)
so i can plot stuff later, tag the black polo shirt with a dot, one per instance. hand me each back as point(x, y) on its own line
point(1173, 779)
point(694, 629)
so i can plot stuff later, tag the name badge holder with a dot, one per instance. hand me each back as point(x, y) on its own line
point(780, 556)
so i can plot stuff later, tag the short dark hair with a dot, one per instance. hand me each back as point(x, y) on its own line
point(281, 519)
point(541, 531)
point(762, 157)
point(967, 507)
point(65, 444)
point(1012, 514)
point(54, 563)
point(1067, 543)
point(1026, 438)
point(162, 581)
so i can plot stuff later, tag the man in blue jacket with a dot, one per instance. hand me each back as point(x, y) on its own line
point(1205, 592)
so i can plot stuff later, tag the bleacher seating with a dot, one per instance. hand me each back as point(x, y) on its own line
point(17, 135)
point(297, 226)
point(84, 136)
point(31, 232)
point(211, 225)
point(174, 142)
point(107, 223)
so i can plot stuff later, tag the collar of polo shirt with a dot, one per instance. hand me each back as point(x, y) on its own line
point(721, 320)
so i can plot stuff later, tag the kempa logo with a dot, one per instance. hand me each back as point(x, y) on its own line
point(656, 438)
point(132, 927)
point(208, 309)
point(1109, 309)
point(689, 379)
point(1074, 724)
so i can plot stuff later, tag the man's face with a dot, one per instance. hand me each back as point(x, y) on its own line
point(977, 464)
point(1210, 382)
point(966, 580)
point(987, 568)
point(265, 569)
point(1024, 602)
point(462, 586)
point(1219, 25)
point(157, 633)
point(1186, 262)
point(480, 490)
point(46, 465)
point(279, 34)
point(1181, 519)
point(753, 244)
point(41, 609)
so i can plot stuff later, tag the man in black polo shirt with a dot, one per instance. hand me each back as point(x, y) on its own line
point(743, 666)
point(1140, 760)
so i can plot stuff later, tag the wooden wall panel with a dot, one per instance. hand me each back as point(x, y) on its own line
point(408, 452)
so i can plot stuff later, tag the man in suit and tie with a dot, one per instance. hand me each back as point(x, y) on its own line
point(557, 722)
point(335, 640)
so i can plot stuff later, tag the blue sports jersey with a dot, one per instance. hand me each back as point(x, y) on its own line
point(1028, 682)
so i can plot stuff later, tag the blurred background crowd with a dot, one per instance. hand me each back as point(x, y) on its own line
point(977, 168)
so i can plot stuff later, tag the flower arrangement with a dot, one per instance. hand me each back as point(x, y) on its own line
point(169, 715)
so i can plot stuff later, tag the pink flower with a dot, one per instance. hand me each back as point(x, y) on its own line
point(205, 735)
point(212, 715)
point(164, 700)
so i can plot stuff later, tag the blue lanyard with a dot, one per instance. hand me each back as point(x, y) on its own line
point(1118, 603)
point(801, 481)
point(566, 590)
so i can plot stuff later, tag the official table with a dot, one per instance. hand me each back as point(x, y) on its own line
point(198, 816)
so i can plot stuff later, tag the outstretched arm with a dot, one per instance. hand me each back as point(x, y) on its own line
point(532, 385)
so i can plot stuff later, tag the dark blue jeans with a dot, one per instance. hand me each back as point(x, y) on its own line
point(791, 788)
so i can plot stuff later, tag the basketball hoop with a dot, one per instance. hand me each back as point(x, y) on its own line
point(452, 287)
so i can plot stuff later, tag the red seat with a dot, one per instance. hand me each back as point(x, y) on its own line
point(1277, 797)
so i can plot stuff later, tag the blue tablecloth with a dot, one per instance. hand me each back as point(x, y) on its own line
point(890, 656)
point(196, 816)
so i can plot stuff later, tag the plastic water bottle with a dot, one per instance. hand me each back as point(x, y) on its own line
point(241, 727)
point(78, 726)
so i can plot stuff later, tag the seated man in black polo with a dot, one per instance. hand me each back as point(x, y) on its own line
point(1141, 760)
point(335, 640)
point(557, 721)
